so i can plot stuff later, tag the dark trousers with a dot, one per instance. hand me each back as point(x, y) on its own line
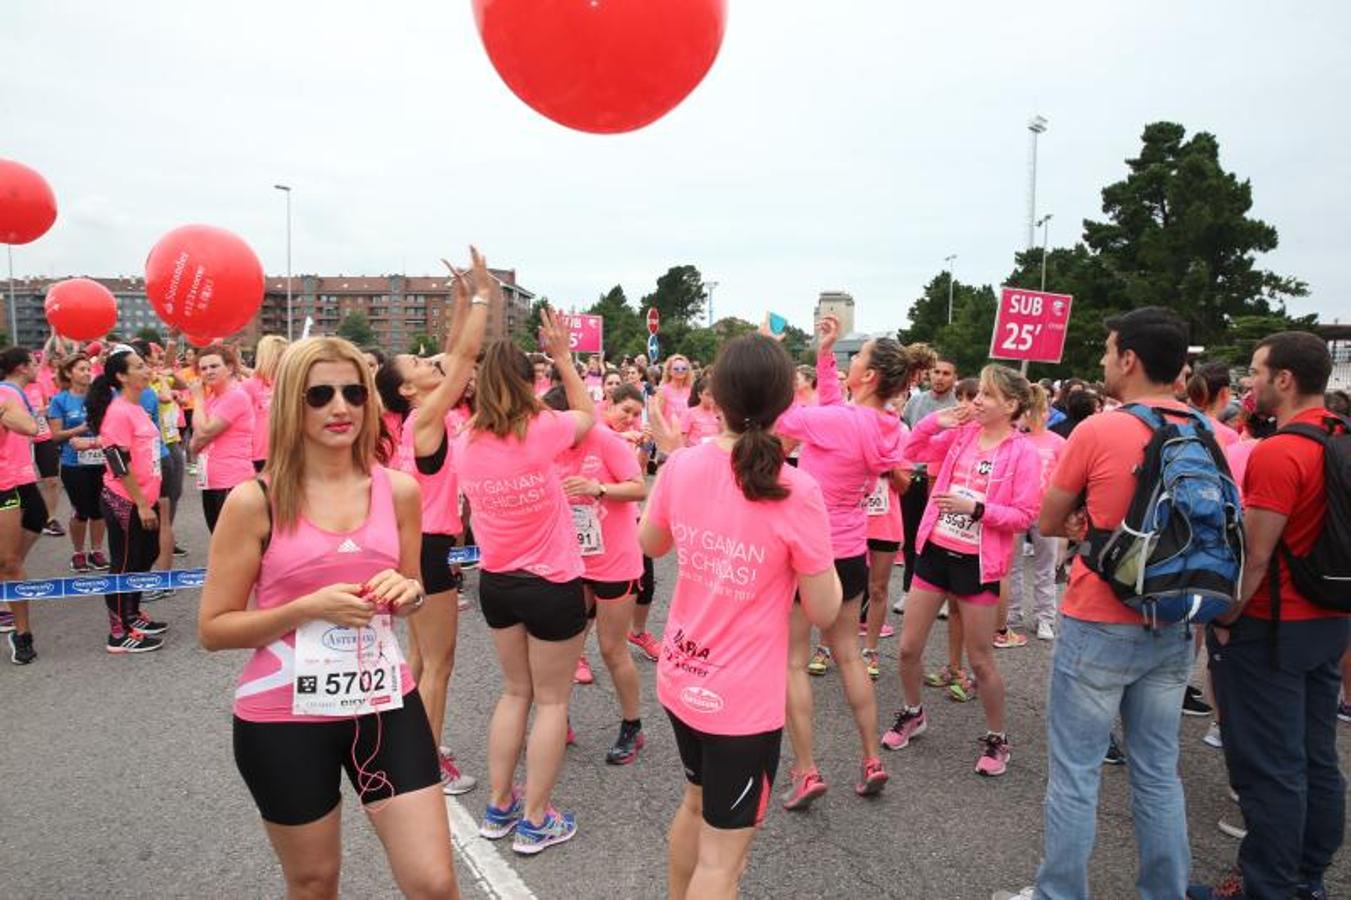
point(131, 548)
point(1280, 742)
point(913, 502)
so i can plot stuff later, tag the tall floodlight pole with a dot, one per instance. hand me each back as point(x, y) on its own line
point(1044, 223)
point(947, 261)
point(286, 189)
point(13, 304)
point(1035, 126)
point(709, 286)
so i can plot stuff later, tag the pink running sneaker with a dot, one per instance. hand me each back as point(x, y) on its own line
point(645, 642)
point(872, 778)
point(887, 630)
point(583, 674)
point(994, 759)
point(803, 788)
point(1008, 638)
point(907, 725)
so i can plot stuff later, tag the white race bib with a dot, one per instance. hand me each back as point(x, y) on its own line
point(156, 461)
point(90, 457)
point(586, 520)
point(959, 527)
point(201, 471)
point(43, 428)
point(878, 503)
point(346, 671)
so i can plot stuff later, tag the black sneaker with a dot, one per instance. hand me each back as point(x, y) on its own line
point(180, 551)
point(133, 642)
point(1193, 705)
point(145, 625)
point(1114, 755)
point(21, 651)
point(628, 744)
point(53, 529)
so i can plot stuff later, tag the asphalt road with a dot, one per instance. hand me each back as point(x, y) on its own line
point(117, 780)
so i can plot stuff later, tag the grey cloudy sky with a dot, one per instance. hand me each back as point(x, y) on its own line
point(839, 144)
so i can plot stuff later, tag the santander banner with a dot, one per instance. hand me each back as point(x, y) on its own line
point(1030, 325)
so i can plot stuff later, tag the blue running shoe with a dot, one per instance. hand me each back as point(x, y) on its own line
point(498, 823)
point(555, 829)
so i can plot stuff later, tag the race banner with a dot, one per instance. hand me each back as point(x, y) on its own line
point(586, 334)
point(1030, 325)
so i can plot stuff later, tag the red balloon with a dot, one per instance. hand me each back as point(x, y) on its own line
point(80, 309)
point(198, 341)
point(204, 280)
point(604, 66)
point(27, 204)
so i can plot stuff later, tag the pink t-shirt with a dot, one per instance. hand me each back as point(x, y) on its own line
point(883, 506)
point(441, 490)
point(970, 478)
point(128, 426)
point(675, 402)
point(39, 399)
point(299, 561)
point(607, 458)
point(1224, 435)
point(702, 425)
point(260, 395)
point(229, 457)
point(1049, 447)
point(16, 450)
point(724, 656)
point(521, 518)
point(1237, 455)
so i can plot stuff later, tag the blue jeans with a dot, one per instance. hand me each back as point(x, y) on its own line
point(1098, 671)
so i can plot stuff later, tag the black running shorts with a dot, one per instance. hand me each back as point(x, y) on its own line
point(293, 769)
point(877, 545)
point(735, 772)
point(437, 575)
point(83, 485)
point(612, 590)
point(549, 611)
point(956, 573)
point(47, 457)
point(28, 500)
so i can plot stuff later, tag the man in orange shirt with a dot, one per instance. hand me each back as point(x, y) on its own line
point(1278, 686)
point(1106, 662)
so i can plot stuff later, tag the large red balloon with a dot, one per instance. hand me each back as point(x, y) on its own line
point(204, 280)
point(198, 341)
point(80, 309)
point(27, 204)
point(602, 65)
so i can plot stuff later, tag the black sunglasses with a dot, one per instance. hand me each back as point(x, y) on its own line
point(321, 395)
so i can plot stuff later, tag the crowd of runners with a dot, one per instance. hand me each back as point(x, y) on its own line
point(339, 484)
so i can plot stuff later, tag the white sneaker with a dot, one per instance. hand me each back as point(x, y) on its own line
point(1212, 737)
point(453, 781)
point(943, 610)
point(1026, 893)
point(1045, 631)
point(1234, 831)
point(899, 606)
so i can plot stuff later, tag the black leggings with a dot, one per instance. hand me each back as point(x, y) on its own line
point(913, 502)
point(131, 548)
point(84, 486)
point(647, 585)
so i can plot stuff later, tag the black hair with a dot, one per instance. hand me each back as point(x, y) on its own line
point(1305, 356)
point(1206, 382)
point(1080, 405)
point(967, 387)
point(624, 392)
point(556, 398)
point(1338, 402)
point(12, 358)
point(1158, 337)
point(387, 384)
point(897, 365)
point(753, 385)
point(376, 352)
point(941, 356)
point(697, 392)
point(103, 389)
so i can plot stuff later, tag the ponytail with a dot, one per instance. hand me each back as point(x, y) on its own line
point(757, 460)
point(97, 401)
point(752, 384)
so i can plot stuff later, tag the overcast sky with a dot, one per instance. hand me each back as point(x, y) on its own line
point(835, 145)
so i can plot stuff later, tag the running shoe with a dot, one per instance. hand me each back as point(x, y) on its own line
point(192, 468)
point(21, 651)
point(963, 690)
point(1114, 756)
point(943, 677)
point(820, 661)
point(1212, 737)
point(6, 621)
point(180, 551)
point(994, 759)
point(1230, 887)
point(555, 829)
point(1045, 631)
point(908, 724)
point(943, 610)
point(803, 789)
point(53, 529)
point(145, 625)
point(98, 561)
point(871, 778)
point(645, 642)
point(1311, 892)
point(453, 781)
point(899, 607)
point(153, 596)
point(627, 745)
point(1343, 710)
point(1238, 832)
point(1193, 705)
point(79, 563)
point(887, 630)
point(498, 822)
point(133, 642)
point(571, 736)
point(870, 661)
point(583, 674)
point(462, 603)
point(1003, 640)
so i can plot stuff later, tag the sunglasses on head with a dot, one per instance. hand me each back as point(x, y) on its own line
point(320, 395)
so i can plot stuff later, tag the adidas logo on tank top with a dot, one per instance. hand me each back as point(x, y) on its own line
point(349, 546)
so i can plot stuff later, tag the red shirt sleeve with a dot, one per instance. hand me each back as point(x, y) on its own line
point(1272, 480)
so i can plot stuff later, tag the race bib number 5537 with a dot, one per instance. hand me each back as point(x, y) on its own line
point(344, 671)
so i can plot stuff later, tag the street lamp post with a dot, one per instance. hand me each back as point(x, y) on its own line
point(1044, 223)
point(709, 286)
point(289, 327)
point(13, 304)
point(1035, 126)
point(947, 260)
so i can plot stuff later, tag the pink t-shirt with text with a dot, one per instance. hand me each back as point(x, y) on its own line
point(229, 457)
point(724, 656)
point(128, 426)
point(608, 458)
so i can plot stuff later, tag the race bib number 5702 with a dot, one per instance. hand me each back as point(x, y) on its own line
point(344, 671)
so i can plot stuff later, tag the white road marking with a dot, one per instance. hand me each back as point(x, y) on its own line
point(491, 872)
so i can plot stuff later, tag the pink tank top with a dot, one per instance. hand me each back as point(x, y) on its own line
point(296, 563)
point(440, 492)
point(16, 450)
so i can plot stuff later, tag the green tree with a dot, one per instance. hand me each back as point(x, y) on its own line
point(356, 328)
point(798, 343)
point(422, 344)
point(929, 312)
point(679, 298)
point(151, 334)
point(529, 337)
point(625, 331)
point(1236, 347)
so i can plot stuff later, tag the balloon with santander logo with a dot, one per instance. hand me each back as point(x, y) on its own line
point(602, 66)
point(80, 309)
point(204, 280)
point(27, 204)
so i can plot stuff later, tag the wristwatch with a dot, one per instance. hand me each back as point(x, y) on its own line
point(979, 512)
point(602, 490)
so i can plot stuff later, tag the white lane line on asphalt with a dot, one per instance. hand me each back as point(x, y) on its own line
point(493, 873)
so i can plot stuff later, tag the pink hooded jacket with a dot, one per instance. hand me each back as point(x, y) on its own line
point(1012, 502)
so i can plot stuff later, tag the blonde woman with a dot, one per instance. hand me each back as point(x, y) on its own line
point(327, 543)
point(266, 356)
point(677, 383)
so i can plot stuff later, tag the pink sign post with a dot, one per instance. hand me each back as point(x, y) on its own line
point(586, 334)
point(1030, 325)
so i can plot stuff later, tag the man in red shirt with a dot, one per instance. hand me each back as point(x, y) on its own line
point(1278, 686)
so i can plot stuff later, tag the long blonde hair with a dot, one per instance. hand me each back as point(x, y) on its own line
point(504, 396)
point(667, 377)
point(267, 355)
point(285, 467)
